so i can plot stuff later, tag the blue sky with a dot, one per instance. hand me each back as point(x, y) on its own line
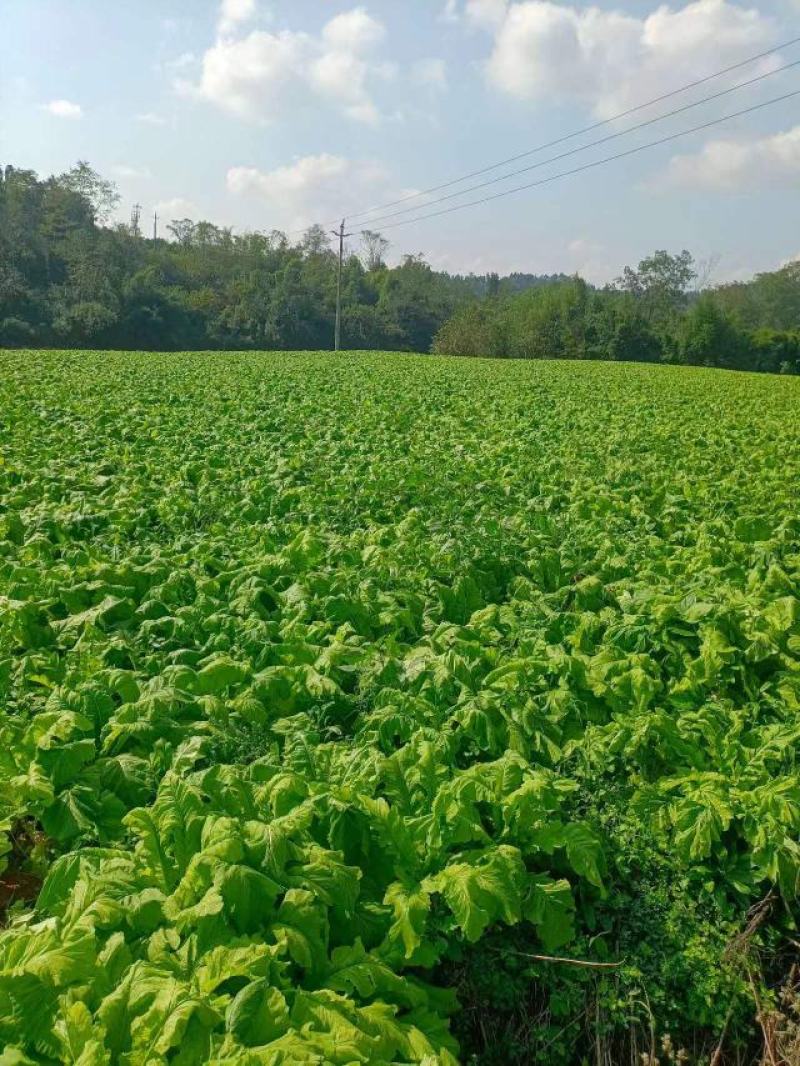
point(265, 113)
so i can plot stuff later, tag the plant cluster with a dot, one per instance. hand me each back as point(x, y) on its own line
point(341, 694)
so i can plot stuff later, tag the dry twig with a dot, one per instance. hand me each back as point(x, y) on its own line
point(569, 962)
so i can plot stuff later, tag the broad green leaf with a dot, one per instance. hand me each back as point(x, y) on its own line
point(483, 891)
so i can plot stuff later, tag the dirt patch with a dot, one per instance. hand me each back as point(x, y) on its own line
point(17, 885)
point(18, 882)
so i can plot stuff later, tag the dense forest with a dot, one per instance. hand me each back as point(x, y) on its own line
point(70, 279)
point(650, 314)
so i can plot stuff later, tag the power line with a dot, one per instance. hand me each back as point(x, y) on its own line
point(596, 162)
point(585, 147)
point(577, 133)
point(569, 136)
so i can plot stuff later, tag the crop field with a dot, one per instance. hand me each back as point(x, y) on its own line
point(343, 697)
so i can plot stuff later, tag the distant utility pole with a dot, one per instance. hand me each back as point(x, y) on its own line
point(340, 233)
point(136, 214)
point(155, 226)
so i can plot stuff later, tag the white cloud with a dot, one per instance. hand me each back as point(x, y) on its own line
point(261, 74)
point(64, 109)
point(233, 13)
point(581, 246)
point(610, 60)
point(303, 176)
point(486, 12)
point(253, 76)
point(735, 165)
point(176, 208)
point(312, 188)
point(587, 258)
point(430, 72)
point(181, 62)
point(151, 119)
point(122, 170)
point(353, 31)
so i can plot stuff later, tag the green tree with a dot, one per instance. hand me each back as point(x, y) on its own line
point(661, 283)
point(374, 248)
point(102, 195)
point(774, 350)
point(709, 337)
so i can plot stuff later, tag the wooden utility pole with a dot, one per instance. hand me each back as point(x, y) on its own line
point(340, 233)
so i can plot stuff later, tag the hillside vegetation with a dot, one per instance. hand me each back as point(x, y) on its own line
point(648, 315)
point(69, 279)
point(338, 691)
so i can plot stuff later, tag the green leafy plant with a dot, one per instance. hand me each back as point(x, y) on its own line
point(339, 694)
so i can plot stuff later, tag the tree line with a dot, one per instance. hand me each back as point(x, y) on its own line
point(68, 278)
point(651, 313)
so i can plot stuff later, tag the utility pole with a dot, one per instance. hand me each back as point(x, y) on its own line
point(155, 226)
point(340, 233)
point(136, 214)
